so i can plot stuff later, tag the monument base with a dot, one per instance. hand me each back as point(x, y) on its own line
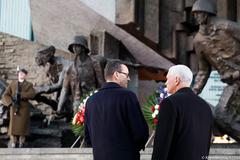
point(217, 152)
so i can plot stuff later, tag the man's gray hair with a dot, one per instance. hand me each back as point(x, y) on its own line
point(183, 72)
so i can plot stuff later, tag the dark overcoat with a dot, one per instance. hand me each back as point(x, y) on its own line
point(19, 124)
point(184, 128)
point(115, 124)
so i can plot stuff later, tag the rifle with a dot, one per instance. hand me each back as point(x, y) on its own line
point(16, 99)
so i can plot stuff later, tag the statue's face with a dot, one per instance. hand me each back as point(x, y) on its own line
point(78, 49)
point(201, 17)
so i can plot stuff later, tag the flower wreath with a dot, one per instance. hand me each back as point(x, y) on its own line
point(152, 106)
point(78, 119)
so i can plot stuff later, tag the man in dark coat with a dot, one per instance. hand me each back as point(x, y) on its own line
point(113, 118)
point(185, 121)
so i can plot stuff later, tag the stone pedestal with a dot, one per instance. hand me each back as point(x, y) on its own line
point(217, 152)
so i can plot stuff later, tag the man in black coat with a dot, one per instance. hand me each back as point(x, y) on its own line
point(185, 121)
point(113, 118)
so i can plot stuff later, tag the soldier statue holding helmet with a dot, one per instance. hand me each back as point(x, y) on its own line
point(55, 68)
point(217, 45)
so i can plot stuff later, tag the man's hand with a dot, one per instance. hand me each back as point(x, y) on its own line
point(58, 112)
point(229, 78)
point(222, 26)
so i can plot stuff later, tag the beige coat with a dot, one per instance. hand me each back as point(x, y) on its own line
point(19, 124)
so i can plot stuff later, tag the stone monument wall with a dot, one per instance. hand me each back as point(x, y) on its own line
point(15, 52)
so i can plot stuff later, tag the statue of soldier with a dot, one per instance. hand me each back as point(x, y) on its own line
point(217, 45)
point(55, 70)
point(84, 75)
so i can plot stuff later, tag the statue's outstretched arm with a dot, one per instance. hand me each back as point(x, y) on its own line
point(64, 92)
point(204, 69)
point(57, 86)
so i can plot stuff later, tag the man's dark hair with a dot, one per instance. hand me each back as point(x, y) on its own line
point(112, 67)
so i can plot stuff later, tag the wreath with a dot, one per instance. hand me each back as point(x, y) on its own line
point(152, 106)
point(78, 119)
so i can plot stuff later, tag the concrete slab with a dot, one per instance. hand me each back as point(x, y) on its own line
point(220, 153)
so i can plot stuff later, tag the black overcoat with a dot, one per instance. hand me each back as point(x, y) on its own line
point(115, 124)
point(184, 128)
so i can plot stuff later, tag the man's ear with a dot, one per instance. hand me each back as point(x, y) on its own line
point(115, 74)
point(177, 80)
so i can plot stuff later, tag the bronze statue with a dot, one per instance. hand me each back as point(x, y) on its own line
point(84, 75)
point(217, 45)
point(55, 69)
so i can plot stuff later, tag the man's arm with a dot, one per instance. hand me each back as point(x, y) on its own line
point(164, 132)
point(137, 123)
point(86, 131)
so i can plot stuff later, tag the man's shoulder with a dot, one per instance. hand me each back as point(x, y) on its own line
point(126, 92)
point(28, 83)
point(120, 91)
point(13, 83)
point(187, 97)
point(181, 96)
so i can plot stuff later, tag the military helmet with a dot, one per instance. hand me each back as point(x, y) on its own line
point(48, 49)
point(208, 6)
point(44, 55)
point(79, 40)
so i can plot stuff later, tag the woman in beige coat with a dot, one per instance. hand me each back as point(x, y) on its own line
point(20, 108)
